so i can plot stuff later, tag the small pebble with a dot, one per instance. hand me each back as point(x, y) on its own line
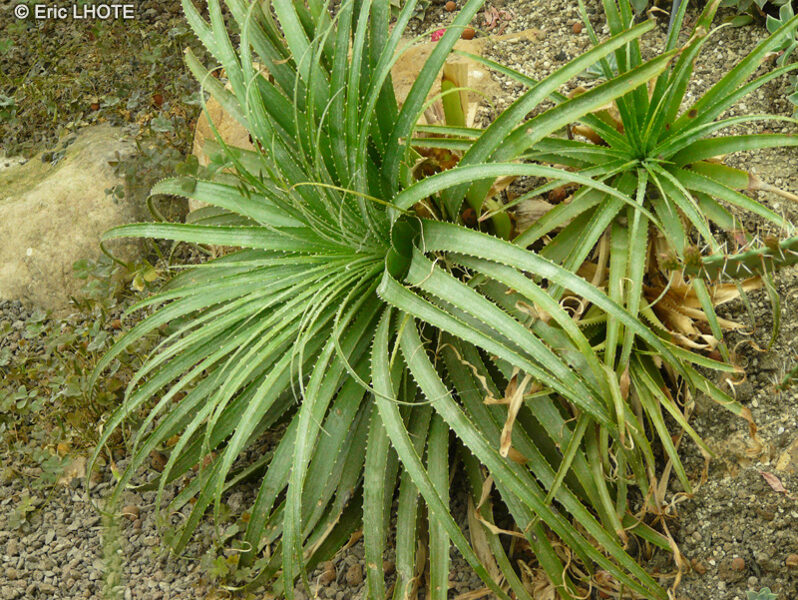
point(131, 511)
point(354, 575)
point(328, 575)
point(157, 460)
point(698, 566)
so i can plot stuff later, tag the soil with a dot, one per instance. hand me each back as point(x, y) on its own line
point(738, 528)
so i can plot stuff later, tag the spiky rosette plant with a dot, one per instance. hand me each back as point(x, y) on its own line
point(668, 159)
point(669, 255)
point(395, 351)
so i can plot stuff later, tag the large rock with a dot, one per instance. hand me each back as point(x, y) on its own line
point(485, 89)
point(230, 130)
point(53, 214)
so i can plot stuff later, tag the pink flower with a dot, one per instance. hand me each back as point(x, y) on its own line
point(436, 35)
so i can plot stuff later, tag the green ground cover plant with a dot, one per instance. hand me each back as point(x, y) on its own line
point(48, 413)
point(397, 347)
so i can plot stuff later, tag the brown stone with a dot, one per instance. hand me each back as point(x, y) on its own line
point(730, 571)
point(792, 561)
point(699, 566)
point(328, 574)
point(157, 460)
point(131, 511)
point(354, 575)
point(578, 27)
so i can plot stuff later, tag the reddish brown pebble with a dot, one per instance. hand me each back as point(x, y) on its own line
point(95, 106)
point(578, 27)
point(450, 6)
point(157, 460)
point(557, 195)
point(116, 324)
point(738, 563)
point(698, 566)
point(468, 33)
point(354, 575)
point(792, 560)
point(469, 217)
point(328, 575)
point(157, 99)
point(131, 511)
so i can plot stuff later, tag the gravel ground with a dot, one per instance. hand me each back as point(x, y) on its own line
point(58, 552)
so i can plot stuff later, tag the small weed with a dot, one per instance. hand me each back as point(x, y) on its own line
point(792, 92)
point(113, 582)
point(763, 594)
point(220, 563)
point(789, 379)
point(46, 411)
point(790, 43)
point(753, 7)
point(420, 12)
point(24, 507)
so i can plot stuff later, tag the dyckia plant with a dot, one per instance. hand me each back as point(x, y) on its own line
point(664, 258)
point(670, 161)
point(663, 247)
point(395, 347)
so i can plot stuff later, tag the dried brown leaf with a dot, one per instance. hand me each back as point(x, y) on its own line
point(774, 482)
point(515, 399)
